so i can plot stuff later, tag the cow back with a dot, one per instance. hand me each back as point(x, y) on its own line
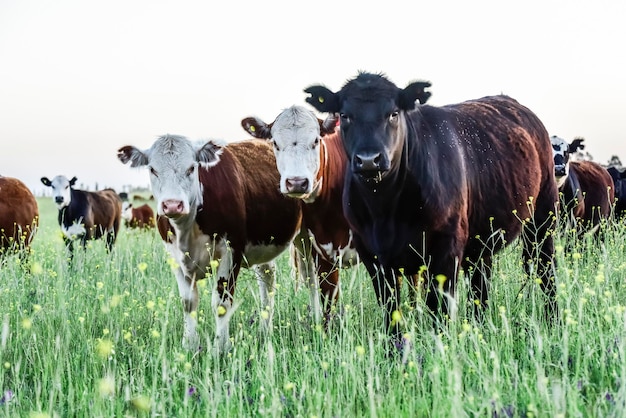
point(19, 212)
point(597, 188)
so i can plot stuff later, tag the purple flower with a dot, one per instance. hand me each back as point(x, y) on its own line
point(6, 397)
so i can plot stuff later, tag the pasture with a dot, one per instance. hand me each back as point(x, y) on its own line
point(102, 337)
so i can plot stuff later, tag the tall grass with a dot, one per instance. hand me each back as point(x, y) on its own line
point(102, 337)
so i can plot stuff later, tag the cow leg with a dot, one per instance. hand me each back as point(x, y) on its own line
point(479, 273)
point(538, 254)
point(441, 287)
point(222, 301)
point(189, 294)
point(266, 275)
point(387, 289)
point(305, 264)
point(328, 276)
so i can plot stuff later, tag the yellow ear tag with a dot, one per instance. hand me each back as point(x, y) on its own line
point(320, 99)
point(252, 128)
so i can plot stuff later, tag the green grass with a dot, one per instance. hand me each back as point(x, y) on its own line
point(103, 338)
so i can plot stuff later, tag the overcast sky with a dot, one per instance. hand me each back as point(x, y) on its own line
point(79, 78)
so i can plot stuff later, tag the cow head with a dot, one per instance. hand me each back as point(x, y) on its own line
point(127, 211)
point(296, 138)
point(372, 119)
point(561, 151)
point(173, 162)
point(61, 189)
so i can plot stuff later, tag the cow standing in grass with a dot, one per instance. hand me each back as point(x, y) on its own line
point(312, 165)
point(441, 188)
point(219, 210)
point(85, 215)
point(19, 215)
point(586, 189)
point(141, 217)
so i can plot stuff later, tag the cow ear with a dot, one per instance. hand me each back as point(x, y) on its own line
point(46, 181)
point(257, 128)
point(576, 144)
point(322, 99)
point(208, 154)
point(132, 154)
point(73, 181)
point(412, 93)
point(327, 126)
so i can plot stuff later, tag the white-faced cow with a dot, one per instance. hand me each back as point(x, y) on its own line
point(586, 189)
point(141, 217)
point(19, 215)
point(83, 214)
point(441, 188)
point(618, 174)
point(312, 165)
point(218, 206)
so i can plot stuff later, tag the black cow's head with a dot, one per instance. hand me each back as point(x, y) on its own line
point(372, 120)
point(561, 151)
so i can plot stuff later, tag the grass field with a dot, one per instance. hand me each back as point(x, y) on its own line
point(102, 338)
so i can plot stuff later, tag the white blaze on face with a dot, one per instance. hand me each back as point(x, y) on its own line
point(296, 140)
point(61, 191)
point(127, 211)
point(560, 154)
point(173, 162)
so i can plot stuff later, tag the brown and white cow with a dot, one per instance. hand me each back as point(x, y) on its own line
point(141, 217)
point(586, 189)
point(19, 215)
point(312, 165)
point(83, 214)
point(219, 210)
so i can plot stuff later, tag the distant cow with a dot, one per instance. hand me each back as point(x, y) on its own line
point(619, 181)
point(586, 188)
point(312, 165)
point(219, 209)
point(141, 217)
point(85, 215)
point(19, 215)
point(441, 188)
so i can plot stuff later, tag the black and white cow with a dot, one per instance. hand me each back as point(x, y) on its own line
point(586, 190)
point(85, 215)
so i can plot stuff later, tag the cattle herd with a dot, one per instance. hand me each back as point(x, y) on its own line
point(410, 190)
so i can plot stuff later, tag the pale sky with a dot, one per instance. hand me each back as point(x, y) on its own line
point(79, 78)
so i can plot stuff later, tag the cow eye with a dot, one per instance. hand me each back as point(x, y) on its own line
point(275, 146)
point(344, 118)
point(393, 116)
point(316, 143)
point(190, 170)
point(153, 172)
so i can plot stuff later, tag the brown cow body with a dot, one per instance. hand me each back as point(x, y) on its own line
point(19, 214)
point(219, 210)
point(586, 189)
point(587, 194)
point(141, 217)
point(85, 215)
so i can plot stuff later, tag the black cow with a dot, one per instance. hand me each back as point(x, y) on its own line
point(441, 188)
point(618, 174)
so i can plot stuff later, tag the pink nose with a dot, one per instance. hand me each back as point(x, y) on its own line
point(172, 207)
point(297, 185)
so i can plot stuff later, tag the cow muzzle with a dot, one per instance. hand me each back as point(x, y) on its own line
point(173, 208)
point(297, 186)
point(369, 167)
point(560, 170)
